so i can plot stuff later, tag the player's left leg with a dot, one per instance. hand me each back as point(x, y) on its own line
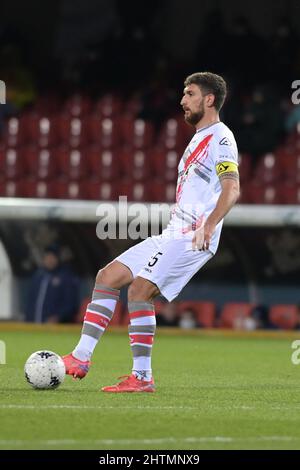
point(141, 332)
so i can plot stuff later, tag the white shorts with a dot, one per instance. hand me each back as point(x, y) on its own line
point(167, 262)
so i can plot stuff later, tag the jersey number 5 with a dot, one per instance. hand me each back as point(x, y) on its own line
point(155, 259)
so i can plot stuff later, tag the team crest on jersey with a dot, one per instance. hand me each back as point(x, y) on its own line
point(225, 141)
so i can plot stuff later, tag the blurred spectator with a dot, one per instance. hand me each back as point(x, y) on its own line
point(187, 319)
point(54, 291)
point(167, 315)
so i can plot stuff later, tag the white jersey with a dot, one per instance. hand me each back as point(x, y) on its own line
point(168, 260)
point(211, 152)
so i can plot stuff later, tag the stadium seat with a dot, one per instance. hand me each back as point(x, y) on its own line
point(233, 312)
point(136, 133)
point(136, 191)
point(39, 162)
point(245, 167)
point(104, 164)
point(289, 193)
point(11, 188)
point(71, 162)
point(290, 166)
point(77, 105)
point(109, 106)
point(13, 134)
point(172, 135)
point(284, 316)
point(205, 311)
point(267, 169)
point(165, 163)
point(262, 193)
point(98, 190)
point(71, 130)
point(163, 191)
point(64, 189)
point(11, 163)
point(39, 130)
point(104, 132)
point(32, 187)
point(136, 164)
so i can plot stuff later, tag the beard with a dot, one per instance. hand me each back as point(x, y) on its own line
point(194, 118)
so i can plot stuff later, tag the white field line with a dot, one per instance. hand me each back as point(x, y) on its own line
point(101, 407)
point(166, 440)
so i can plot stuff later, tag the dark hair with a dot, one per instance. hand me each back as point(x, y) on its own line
point(209, 83)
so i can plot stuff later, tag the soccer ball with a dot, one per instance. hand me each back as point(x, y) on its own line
point(45, 370)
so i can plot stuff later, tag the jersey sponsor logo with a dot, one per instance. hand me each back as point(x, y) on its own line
point(226, 167)
point(225, 141)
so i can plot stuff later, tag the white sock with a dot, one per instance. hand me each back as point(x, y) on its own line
point(85, 348)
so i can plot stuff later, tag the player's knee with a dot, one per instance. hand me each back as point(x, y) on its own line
point(105, 277)
point(140, 291)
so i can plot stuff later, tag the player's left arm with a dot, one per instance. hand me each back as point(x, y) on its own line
point(229, 179)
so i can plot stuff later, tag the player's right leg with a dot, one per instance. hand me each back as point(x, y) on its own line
point(99, 312)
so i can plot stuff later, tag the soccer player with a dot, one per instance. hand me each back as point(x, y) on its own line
point(207, 188)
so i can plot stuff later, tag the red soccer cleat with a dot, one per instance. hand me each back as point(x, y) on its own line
point(75, 367)
point(131, 384)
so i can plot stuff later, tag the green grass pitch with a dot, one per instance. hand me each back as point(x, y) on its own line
point(213, 392)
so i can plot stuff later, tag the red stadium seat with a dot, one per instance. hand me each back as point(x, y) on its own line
point(173, 134)
point(35, 188)
point(267, 169)
point(233, 313)
point(262, 193)
point(11, 188)
point(11, 163)
point(64, 189)
point(137, 133)
point(71, 130)
point(109, 106)
point(104, 132)
point(165, 163)
point(99, 190)
point(39, 162)
point(13, 134)
point(136, 164)
point(71, 162)
point(205, 311)
point(245, 167)
point(104, 164)
point(289, 193)
point(135, 191)
point(39, 130)
point(77, 105)
point(290, 166)
point(163, 191)
point(284, 316)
